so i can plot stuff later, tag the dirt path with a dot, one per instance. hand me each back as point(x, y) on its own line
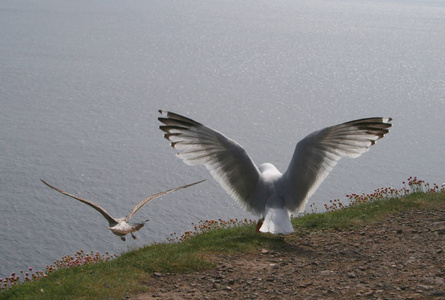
point(402, 257)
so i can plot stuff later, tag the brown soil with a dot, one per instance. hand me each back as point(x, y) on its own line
point(401, 257)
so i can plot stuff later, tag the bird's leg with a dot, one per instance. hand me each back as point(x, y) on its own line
point(259, 224)
point(123, 238)
point(133, 236)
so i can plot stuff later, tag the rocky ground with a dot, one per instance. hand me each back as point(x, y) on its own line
point(402, 257)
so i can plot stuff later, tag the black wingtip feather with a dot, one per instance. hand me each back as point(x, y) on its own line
point(168, 128)
point(178, 118)
point(373, 125)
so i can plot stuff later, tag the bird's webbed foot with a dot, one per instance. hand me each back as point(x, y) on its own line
point(133, 236)
point(123, 238)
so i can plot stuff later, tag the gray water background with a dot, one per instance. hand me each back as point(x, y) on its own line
point(81, 82)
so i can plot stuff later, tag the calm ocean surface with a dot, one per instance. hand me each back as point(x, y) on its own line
point(81, 82)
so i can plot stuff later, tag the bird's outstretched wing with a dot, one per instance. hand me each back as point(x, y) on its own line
point(319, 152)
point(226, 160)
point(104, 213)
point(145, 201)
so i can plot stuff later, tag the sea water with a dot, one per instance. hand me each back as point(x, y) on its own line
point(81, 83)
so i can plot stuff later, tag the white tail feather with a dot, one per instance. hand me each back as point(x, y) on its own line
point(277, 220)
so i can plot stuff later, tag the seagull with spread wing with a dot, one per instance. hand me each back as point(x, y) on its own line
point(264, 190)
point(122, 226)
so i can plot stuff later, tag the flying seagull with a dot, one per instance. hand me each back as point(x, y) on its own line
point(263, 190)
point(121, 226)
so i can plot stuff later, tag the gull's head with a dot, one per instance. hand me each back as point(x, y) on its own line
point(136, 226)
point(269, 170)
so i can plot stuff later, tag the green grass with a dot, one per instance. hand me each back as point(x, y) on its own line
point(372, 211)
point(125, 275)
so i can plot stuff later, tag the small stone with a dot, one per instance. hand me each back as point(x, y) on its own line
point(351, 275)
point(437, 294)
point(325, 273)
point(424, 287)
point(439, 281)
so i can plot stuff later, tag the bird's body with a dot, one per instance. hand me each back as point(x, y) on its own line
point(121, 226)
point(264, 190)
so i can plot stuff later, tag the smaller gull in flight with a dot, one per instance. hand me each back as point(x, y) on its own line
point(264, 190)
point(121, 226)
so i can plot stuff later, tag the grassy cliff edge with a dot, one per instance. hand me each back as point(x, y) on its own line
point(124, 276)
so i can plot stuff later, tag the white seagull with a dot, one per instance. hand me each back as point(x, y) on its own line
point(121, 226)
point(263, 190)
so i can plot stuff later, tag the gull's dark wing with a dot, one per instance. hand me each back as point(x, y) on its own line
point(145, 201)
point(104, 213)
